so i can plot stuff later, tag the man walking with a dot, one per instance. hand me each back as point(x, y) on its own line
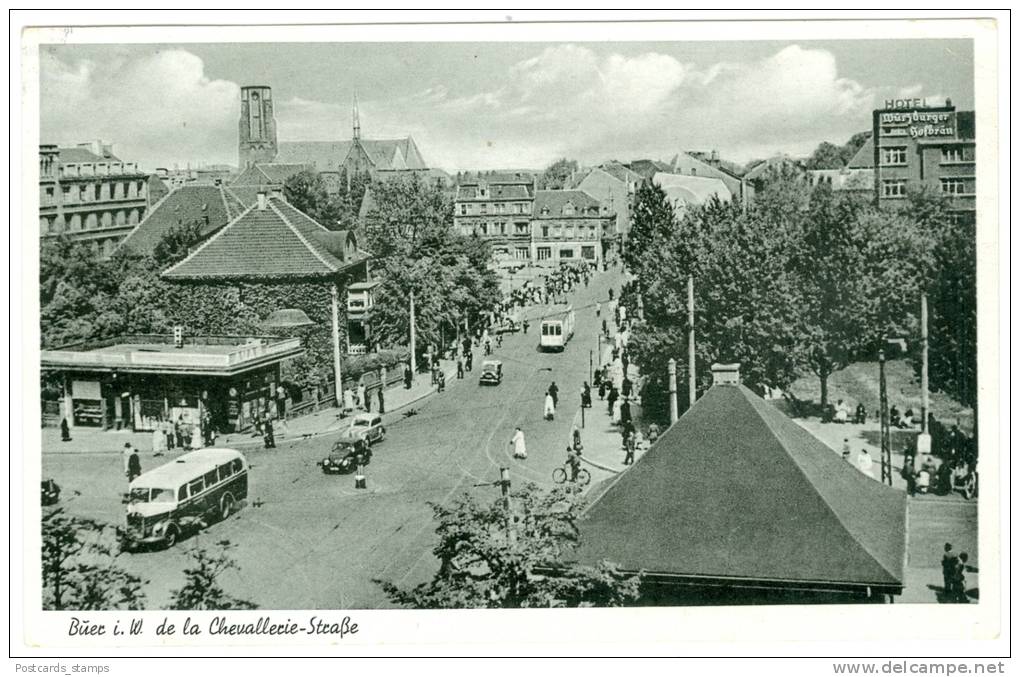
point(267, 438)
point(460, 367)
point(614, 395)
point(134, 466)
point(128, 450)
point(524, 325)
point(949, 564)
point(408, 376)
point(554, 390)
point(382, 399)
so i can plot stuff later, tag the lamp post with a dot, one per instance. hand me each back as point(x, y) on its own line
point(883, 417)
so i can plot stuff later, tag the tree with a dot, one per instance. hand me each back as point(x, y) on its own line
point(202, 590)
point(175, 244)
point(653, 221)
point(557, 175)
point(494, 557)
point(79, 569)
point(306, 190)
point(830, 156)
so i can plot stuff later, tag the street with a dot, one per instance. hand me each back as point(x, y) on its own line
point(310, 540)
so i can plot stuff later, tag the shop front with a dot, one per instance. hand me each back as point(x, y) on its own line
point(140, 382)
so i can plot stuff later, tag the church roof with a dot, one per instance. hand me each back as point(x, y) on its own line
point(268, 173)
point(736, 491)
point(211, 207)
point(326, 156)
point(278, 242)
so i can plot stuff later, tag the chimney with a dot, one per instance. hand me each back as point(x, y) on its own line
point(726, 374)
point(262, 201)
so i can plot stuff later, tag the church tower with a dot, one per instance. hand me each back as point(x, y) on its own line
point(256, 138)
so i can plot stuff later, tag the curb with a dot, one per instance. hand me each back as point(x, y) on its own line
point(596, 464)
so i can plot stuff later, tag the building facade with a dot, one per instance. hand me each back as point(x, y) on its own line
point(497, 208)
point(921, 147)
point(570, 225)
point(90, 194)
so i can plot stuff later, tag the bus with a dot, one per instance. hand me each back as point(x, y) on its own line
point(189, 492)
point(557, 328)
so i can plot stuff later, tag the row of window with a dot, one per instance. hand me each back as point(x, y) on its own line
point(897, 155)
point(72, 223)
point(545, 253)
point(95, 192)
point(493, 208)
point(898, 187)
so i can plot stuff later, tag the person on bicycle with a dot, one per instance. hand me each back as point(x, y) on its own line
point(574, 461)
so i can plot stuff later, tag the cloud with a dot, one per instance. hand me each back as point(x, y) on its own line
point(156, 110)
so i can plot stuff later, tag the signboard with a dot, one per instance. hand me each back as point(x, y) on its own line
point(922, 123)
point(86, 390)
point(923, 444)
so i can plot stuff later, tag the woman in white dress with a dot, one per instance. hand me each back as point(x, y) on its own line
point(865, 464)
point(550, 407)
point(517, 441)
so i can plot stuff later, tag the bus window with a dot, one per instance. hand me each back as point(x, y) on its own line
point(545, 330)
point(182, 493)
point(236, 465)
point(559, 330)
point(196, 486)
point(210, 478)
point(225, 471)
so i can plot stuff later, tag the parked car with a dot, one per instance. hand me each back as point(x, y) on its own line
point(50, 492)
point(492, 373)
point(369, 427)
point(347, 454)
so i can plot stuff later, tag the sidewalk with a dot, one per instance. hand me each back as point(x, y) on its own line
point(315, 424)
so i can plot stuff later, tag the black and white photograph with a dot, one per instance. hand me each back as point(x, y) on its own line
point(429, 323)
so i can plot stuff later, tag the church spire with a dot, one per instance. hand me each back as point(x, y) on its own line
point(357, 119)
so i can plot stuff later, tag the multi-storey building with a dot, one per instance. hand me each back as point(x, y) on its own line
point(917, 147)
point(90, 194)
point(570, 225)
point(497, 208)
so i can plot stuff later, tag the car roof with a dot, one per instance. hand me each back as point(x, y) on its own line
point(494, 363)
point(364, 417)
point(186, 468)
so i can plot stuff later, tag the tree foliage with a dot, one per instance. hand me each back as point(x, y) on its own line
point(202, 590)
point(80, 570)
point(653, 221)
point(557, 175)
point(492, 557)
point(830, 156)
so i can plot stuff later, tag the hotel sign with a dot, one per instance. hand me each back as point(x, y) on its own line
point(922, 123)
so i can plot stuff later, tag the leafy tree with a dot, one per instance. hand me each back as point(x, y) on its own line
point(79, 567)
point(494, 557)
point(557, 175)
point(830, 156)
point(653, 220)
point(307, 191)
point(202, 590)
point(176, 242)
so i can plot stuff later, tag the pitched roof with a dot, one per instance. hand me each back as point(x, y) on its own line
point(212, 207)
point(646, 169)
point(394, 153)
point(737, 491)
point(556, 200)
point(268, 173)
point(864, 158)
point(326, 156)
point(82, 154)
point(621, 172)
point(278, 242)
point(683, 190)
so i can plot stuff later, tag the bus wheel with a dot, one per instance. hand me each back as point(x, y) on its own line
point(226, 506)
point(171, 535)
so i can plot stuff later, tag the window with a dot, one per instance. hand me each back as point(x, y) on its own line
point(211, 478)
point(568, 209)
point(182, 493)
point(49, 192)
point(545, 329)
point(463, 210)
point(502, 228)
point(950, 155)
point(894, 155)
point(521, 228)
point(544, 253)
point(196, 486)
point(483, 208)
point(521, 253)
point(236, 465)
point(894, 188)
point(893, 131)
point(545, 231)
point(953, 186)
point(566, 253)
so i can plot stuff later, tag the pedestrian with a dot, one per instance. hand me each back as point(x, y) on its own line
point(605, 328)
point(267, 438)
point(865, 464)
point(575, 439)
point(368, 400)
point(586, 396)
point(196, 435)
point(598, 309)
point(846, 448)
point(361, 394)
point(574, 461)
point(949, 562)
point(959, 583)
point(550, 407)
point(65, 431)
point(908, 474)
point(134, 466)
point(517, 441)
point(382, 400)
point(168, 431)
point(466, 345)
point(158, 442)
point(441, 381)
point(348, 400)
point(281, 402)
point(128, 450)
point(460, 367)
point(653, 433)
point(625, 360)
point(408, 376)
point(179, 431)
point(602, 387)
point(629, 444)
point(614, 395)
point(627, 386)
point(554, 390)
point(469, 361)
point(625, 412)
point(524, 325)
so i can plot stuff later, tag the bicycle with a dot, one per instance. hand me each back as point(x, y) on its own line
point(561, 475)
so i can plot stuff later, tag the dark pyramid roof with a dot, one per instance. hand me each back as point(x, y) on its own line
point(279, 242)
point(211, 207)
point(737, 491)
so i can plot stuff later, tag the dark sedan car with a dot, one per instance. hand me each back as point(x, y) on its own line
point(347, 454)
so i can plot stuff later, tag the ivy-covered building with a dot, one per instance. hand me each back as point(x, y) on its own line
point(272, 257)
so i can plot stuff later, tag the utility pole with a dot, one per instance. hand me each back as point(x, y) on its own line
point(692, 381)
point(883, 407)
point(414, 357)
point(924, 364)
point(674, 413)
point(334, 294)
point(504, 487)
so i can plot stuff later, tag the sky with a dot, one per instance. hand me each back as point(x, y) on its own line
point(495, 105)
